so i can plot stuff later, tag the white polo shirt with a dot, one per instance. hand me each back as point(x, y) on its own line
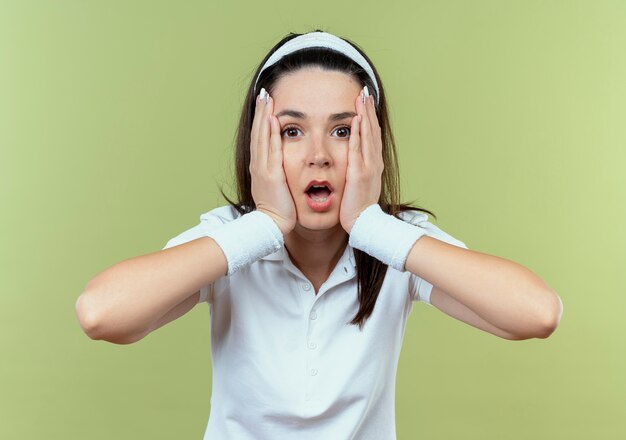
point(286, 363)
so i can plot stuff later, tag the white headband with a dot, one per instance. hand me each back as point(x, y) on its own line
point(320, 39)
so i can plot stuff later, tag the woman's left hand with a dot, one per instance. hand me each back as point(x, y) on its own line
point(365, 164)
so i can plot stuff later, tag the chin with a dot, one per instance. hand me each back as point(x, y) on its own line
point(318, 220)
point(319, 227)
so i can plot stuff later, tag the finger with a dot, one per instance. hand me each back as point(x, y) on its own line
point(355, 158)
point(372, 148)
point(355, 130)
point(364, 132)
point(371, 113)
point(275, 159)
point(373, 120)
point(264, 131)
point(254, 131)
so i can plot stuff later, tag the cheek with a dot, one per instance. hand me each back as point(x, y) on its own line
point(342, 158)
point(341, 161)
point(290, 165)
point(341, 168)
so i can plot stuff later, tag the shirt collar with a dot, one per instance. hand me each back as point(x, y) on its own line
point(347, 257)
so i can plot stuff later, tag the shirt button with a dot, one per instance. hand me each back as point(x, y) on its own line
point(306, 286)
point(312, 345)
point(313, 371)
point(313, 315)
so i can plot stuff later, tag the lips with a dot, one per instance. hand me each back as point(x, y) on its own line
point(325, 183)
point(319, 195)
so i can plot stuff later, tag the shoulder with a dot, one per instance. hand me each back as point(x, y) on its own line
point(208, 221)
point(220, 215)
point(420, 289)
point(413, 217)
point(420, 219)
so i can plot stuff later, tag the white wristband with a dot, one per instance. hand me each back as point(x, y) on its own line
point(384, 236)
point(247, 239)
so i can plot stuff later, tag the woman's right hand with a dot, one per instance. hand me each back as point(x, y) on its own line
point(269, 185)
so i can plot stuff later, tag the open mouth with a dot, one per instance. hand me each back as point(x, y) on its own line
point(320, 195)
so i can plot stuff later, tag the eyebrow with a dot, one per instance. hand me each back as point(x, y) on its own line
point(300, 115)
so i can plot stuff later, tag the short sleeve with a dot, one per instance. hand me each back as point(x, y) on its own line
point(204, 293)
point(419, 288)
point(208, 221)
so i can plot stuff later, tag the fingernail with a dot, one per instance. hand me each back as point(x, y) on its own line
point(367, 92)
point(263, 95)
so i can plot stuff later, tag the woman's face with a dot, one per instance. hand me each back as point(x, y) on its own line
point(315, 143)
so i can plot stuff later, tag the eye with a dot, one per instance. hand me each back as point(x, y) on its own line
point(290, 129)
point(345, 127)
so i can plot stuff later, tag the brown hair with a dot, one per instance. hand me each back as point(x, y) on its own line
point(370, 271)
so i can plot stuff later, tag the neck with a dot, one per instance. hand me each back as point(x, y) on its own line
point(316, 253)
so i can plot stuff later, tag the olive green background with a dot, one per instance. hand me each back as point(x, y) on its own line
point(117, 121)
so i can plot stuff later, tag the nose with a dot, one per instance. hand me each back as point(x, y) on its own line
point(320, 160)
point(319, 154)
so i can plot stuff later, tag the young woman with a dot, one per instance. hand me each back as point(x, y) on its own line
point(311, 274)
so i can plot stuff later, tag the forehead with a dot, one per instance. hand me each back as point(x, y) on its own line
point(314, 87)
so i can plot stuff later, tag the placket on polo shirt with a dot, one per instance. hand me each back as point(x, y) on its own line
point(344, 270)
